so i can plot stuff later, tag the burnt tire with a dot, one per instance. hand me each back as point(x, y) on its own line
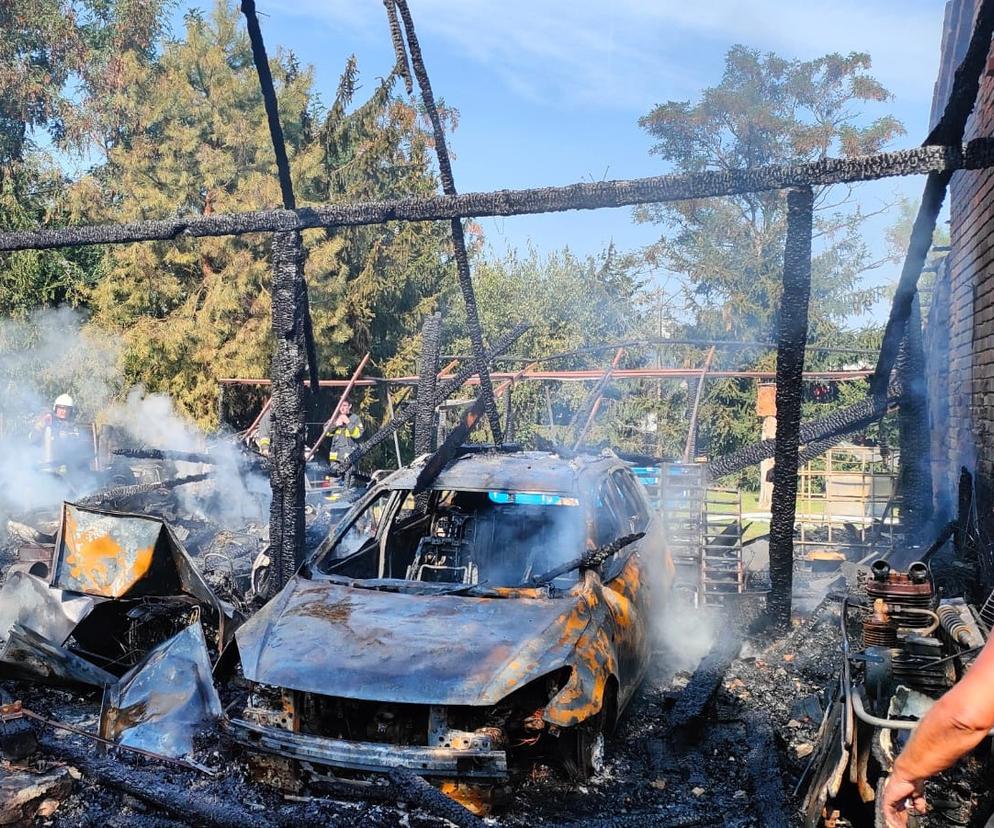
point(583, 746)
point(582, 749)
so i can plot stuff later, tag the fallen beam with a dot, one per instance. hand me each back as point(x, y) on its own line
point(704, 683)
point(179, 800)
point(977, 154)
point(443, 392)
point(413, 789)
point(127, 492)
point(768, 798)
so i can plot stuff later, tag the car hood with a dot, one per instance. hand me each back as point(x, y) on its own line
point(336, 640)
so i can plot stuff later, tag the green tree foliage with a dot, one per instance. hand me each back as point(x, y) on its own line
point(571, 304)
point(190, 137)
point(58, 60)
point(728, 252)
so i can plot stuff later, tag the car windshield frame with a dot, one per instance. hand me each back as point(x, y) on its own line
point(324, 562)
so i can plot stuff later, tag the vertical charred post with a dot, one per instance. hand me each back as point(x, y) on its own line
point(915, 441)
point(424, 420)
point(286, 516)
point(458, 237)
point(791, 338)
point(261, 61)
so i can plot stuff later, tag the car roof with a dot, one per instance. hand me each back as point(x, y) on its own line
point(531, 471)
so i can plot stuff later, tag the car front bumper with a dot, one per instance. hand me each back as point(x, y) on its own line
point(370, 756)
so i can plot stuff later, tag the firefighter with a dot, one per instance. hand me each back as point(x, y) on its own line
point(344, 433)
point(66, 449)
point(952, 727)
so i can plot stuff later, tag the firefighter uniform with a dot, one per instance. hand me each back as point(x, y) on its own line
point(344, 438)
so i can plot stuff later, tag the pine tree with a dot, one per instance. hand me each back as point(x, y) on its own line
point(191, 138)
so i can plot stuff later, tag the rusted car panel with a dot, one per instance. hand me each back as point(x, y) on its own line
point(322, 637)
point(116, 555)
point(31, 602)
point(162, 703)
point(371, 756)
point(113, 555)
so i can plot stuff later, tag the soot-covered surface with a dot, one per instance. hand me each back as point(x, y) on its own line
point(704, 776)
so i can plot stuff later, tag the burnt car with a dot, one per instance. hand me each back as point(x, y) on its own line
point(504, 613)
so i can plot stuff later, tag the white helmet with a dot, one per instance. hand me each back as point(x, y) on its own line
point(63, 401)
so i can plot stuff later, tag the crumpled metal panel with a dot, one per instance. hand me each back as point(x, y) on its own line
point(108, 555)
point(27, 655)
point(31, 602)
point(117, 555)
point(164, 701)
point(321, 637)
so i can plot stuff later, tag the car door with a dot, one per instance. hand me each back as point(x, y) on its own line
point(624, 590)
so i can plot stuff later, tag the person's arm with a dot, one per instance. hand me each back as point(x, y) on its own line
point(954, 726)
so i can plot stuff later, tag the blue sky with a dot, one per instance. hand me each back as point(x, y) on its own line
point(550, 92)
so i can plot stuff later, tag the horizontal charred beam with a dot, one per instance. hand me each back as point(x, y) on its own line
point(127, 492)
point(171, 798)
point(977, 154)
point(165, 454)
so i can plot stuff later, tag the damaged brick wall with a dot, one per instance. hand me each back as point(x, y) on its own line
point(960, 328)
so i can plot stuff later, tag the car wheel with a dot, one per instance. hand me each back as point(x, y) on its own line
point(583, 749)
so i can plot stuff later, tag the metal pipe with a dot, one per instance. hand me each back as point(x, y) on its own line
point(583, 375)
point(876, 721)
point(918, 611)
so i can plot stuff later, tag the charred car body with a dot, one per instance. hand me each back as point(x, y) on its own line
point(501, 613)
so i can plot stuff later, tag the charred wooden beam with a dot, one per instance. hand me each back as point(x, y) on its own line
point(282, 162)
point(978, 154)
point(286, 515)
point(451, 446)
point(695, 697)
point(410, 411)
point(177, 799)
point(949, 130)
point(769, 800)
point(793, 334)
point(412, 788)
point(424, 420)
point(458, 237)
point(836, 424)
point(122, 493)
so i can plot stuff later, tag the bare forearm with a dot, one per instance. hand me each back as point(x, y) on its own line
point(939, 741)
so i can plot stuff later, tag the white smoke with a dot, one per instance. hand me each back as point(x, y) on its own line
point(233, 496)
point(55, 351)
point(47, 353)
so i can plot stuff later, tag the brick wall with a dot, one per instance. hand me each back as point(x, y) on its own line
point(960, 327)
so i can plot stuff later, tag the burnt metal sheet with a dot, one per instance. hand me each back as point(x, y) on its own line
point(371, 756)
point(519, 471)
point(337, 640)
point(27, 655)
point(162, 703)
point(118, 555)
point(31, 602)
